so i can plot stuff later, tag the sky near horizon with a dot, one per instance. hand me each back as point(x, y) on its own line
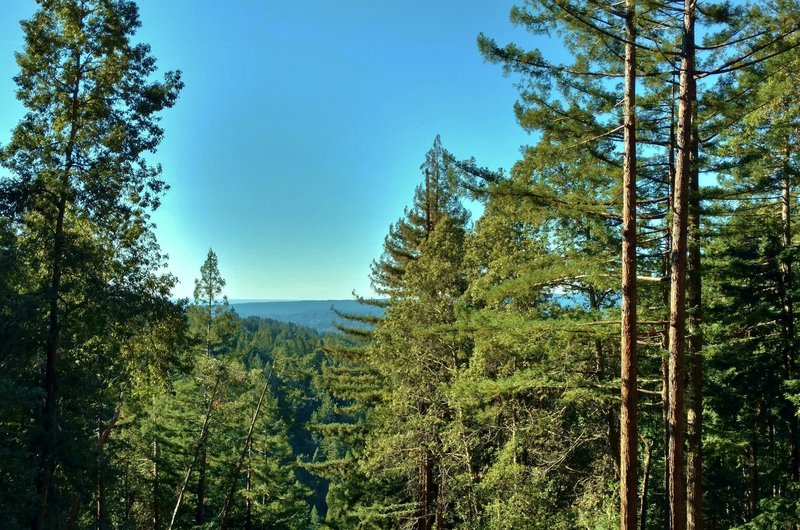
point(300, 132)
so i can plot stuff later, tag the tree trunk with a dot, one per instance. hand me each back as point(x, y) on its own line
point(665, 412)
point(788, 313)
point(648, 460)
point(245, 451)
point(248, 503)
point(752, 494)
point(628, 360)
point(50, 423)
point(200, 512)
point(196, 453)
point(103, 432)
point(666, 295)
point(427, 493)
point(441, 515)
point(677, 331)
point(612, 424)
point(49, 436)
point(694, 435)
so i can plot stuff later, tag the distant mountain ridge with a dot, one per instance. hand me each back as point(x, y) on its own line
point(317, 314)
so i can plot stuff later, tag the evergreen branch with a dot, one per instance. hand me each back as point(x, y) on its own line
point(732, 42)
point(584, 21)
point(732, 66)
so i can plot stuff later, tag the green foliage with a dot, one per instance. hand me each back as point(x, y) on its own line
point(479, 391)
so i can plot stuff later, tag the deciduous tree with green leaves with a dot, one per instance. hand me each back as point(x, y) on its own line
point(78, 194)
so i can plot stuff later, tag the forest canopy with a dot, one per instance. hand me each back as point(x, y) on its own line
point(607, 342)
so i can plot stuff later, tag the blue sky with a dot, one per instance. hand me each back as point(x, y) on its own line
point(300, 132)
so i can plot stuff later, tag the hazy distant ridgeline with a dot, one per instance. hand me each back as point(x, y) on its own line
point(320, 315)
point(317, 314)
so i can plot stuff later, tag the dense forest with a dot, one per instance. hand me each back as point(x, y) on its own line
point(608, 341)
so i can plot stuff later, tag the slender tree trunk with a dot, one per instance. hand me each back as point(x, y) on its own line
point(245, 450)
point(628, 413)
point(752, 494)
point(665, 412)
point(49, 435)
point(102, 437)
point(200, 511)
point(426, 516)
point(648, 460)
point(472, 502)
point(788, 317)
point(694, 435)
point(666, 295)
point(677, 331)
point(441, 516)
point(248, 503)
point(208, 327)
point(50, 423)
point(196, 453)
point(788, 313)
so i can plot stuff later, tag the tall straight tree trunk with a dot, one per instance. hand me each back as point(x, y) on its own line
point(694, 435)
point(441, 515)
point(648, 460)
point(196, 453)
point(248, 502)
point(628, 414)
point(666, 430)
point(788, 311)
point(223, 525)
point(677, 328)
point(49, 435)
point(427, 493)
point(49, 427)
point(752, 494)
point(200, 512)
point(666, 295)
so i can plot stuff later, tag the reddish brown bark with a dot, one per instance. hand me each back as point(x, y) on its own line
point(694, 435)
point(628, 359)
point(677, 331)
point(648, 460)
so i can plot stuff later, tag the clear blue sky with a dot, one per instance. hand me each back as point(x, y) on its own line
point(300, 132)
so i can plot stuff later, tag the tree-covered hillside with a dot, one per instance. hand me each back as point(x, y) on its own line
point(320, 315)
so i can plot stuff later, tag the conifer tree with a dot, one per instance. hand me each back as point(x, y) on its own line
point(417, 358)
point(571, 105)
point(628, 353)
point(371, 360)
point(750, 281)
point(215, 322)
